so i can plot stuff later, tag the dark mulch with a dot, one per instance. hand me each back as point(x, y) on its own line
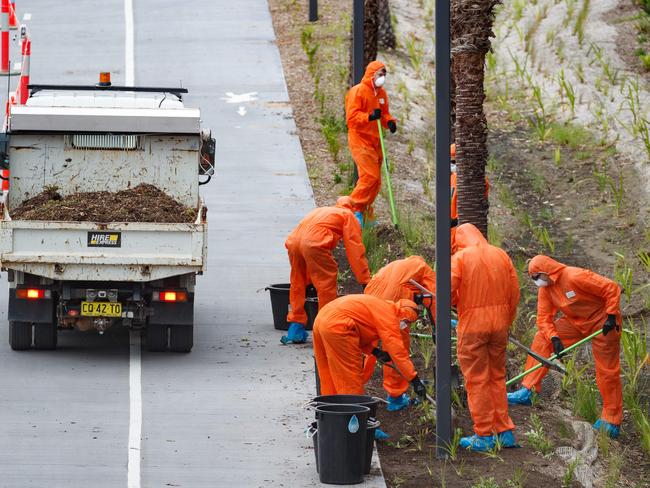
point(144, 203)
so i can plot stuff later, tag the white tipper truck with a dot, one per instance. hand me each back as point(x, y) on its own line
point(94, 275)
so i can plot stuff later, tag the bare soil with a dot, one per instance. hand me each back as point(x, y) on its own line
point(144, 203)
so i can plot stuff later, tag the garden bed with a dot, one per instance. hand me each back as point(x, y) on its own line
point(569, 194)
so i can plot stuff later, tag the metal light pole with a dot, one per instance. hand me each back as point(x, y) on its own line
point(443, 244)
point(358, 13)
point(313, 10)
point(357, 41)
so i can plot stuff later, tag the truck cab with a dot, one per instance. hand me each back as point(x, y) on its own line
point(76, 273)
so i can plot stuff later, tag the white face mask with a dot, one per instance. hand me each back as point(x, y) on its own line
point(403, 324)
point(453, 167)
point(380, 81)
point(540, 283)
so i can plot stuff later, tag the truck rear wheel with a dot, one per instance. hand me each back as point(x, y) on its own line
point(20, 335)
point(45, 336)
point(157, 337)
point(181, 338)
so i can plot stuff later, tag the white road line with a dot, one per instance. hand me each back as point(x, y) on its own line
point(135, 410)
point(27, 16)
point(129, 49)
point(135, 364)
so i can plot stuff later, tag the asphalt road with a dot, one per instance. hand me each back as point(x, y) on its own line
point(230, 413)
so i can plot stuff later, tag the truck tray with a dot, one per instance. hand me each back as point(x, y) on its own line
point(89, 251)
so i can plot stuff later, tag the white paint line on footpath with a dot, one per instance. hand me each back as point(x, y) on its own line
point(129, 48)
point(27, 16)
point(135, 358)
point(135, 409)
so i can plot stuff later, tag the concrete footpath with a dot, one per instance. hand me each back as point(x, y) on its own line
point(230, 413)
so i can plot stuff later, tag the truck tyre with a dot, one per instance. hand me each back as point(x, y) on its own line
point(45, 336)
point(181, 338)
point(20, 335)
point(156, 337)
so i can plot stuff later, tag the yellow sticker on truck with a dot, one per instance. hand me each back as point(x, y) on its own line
point(101, 309)
point(104, 239)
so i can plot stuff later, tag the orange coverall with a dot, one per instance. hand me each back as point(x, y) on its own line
point(453, 183)
point(363, 136)
point(350, 327)
point(392, 283)
point(310, 255)
point(584, 299)
point(485, 290)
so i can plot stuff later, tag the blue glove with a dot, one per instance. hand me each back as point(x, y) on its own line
point(295, 335)
point(454, 323)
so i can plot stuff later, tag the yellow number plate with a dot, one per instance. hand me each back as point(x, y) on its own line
point(101, 309)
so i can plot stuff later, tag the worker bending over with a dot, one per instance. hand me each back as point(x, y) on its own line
point(587, 302)
point(352, 326)
point(453, 184)
point(392, 282)
point(485, 290)
point(310, 248)
point(366, 103)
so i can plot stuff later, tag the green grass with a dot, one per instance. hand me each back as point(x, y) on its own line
point(537, 438)
point(570, 135)
point(376, 252)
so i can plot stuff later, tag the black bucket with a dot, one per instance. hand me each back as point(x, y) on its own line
point(373, 425)
point(280, 305)
point(311, 307)
point(312, 431)
point(342, 432)
point(363, 400)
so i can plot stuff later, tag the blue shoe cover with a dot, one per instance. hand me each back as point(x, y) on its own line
point(612, 430)
point(454, 323)
point(507, 439)
point(359, 216)
point(479, 443)
point(520, 397)
point(295, 335)
point(398, 403)
point(380, 435)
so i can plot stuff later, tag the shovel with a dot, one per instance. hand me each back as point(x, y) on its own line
point(393, 366)
point(554, 357)
point(534, 355)
point(393, 210)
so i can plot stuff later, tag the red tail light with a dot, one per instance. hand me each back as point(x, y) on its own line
point(169, 296)
point(32, 293)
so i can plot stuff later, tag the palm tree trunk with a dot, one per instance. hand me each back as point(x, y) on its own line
point(386, 34)
point(471, 28)
point(370, 35)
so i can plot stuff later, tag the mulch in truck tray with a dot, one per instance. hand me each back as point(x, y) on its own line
point(144, 203)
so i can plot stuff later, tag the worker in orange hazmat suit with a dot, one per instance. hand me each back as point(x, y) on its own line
point(485, 290)
point(366, 103)
point(453, 184)
point(587, 302)
point(392, 283)
point(352, 326)
point(310, 248)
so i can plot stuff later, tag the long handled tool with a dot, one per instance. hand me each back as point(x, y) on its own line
point(534, 355)
point(393, 210)
point(554, 357)
point(393, 366)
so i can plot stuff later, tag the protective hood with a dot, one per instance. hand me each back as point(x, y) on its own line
point(544, 264)
point(371, 69)
point(408, 310)
point(345, 202)
point(468, 235)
